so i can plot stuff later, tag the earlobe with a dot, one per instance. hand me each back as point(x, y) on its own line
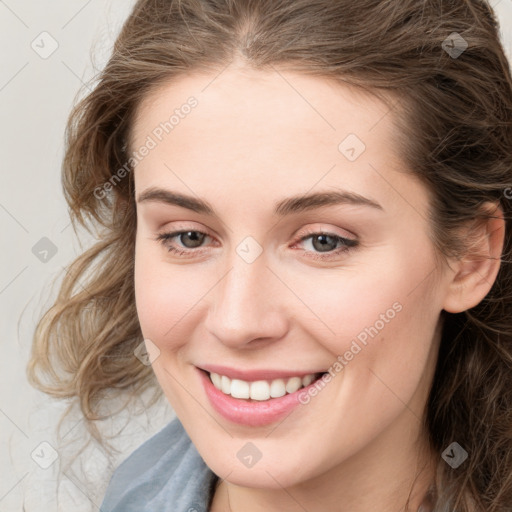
point(474, 273)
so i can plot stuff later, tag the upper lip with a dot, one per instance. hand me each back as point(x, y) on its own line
point(253, 375)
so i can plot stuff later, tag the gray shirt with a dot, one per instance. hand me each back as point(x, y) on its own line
point(165, 474)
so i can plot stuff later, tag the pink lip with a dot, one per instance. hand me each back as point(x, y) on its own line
point(253, 375)
point(254, 413)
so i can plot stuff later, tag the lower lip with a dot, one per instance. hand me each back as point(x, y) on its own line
point(253, 414)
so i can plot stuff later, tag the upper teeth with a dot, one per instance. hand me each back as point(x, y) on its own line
point(260, 389)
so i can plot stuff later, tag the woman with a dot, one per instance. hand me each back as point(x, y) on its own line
point(306, 243)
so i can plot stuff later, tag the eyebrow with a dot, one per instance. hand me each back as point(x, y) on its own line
point(287, 206)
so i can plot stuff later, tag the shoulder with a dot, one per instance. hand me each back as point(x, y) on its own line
point(164, 473)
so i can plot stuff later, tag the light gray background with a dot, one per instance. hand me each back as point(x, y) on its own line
point(36, 95)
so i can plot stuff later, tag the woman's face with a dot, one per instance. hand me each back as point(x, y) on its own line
point(305, 249)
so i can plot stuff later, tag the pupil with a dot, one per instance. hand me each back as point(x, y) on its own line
point(323, 246)
point(194, 236)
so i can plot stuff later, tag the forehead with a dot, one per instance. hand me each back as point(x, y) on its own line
point(275, 129)
point(263, 103)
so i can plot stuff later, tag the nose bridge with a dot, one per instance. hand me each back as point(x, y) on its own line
point(245, 304)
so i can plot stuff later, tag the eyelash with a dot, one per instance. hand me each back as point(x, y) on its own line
point(349, 243)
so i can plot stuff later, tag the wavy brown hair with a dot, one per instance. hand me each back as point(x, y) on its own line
point(455, 114)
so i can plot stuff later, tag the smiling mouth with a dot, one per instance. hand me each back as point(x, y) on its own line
point(261, 390)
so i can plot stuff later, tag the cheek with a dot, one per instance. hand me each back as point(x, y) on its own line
point(171, 299)
point(378, 325)
point(164, 296)
point(389, 298)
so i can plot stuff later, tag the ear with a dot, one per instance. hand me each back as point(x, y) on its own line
point(475, 272)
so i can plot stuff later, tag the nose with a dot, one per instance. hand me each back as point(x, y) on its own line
point(248, 306)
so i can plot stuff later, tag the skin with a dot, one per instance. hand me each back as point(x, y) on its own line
point(254, 139)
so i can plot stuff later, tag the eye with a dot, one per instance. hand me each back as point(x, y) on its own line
point(191, 239)
point(328, 245)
